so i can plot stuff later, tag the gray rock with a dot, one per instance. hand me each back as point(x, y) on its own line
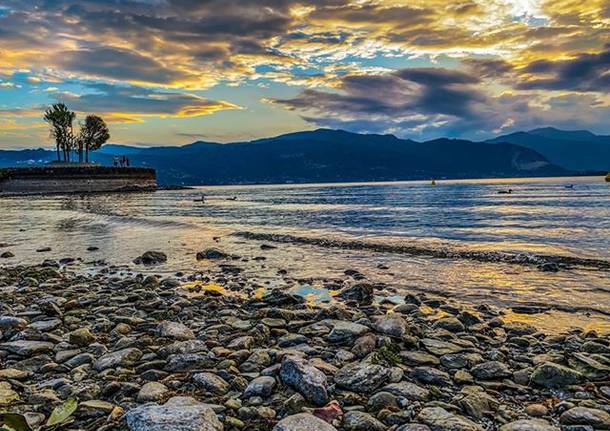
point(188, 362)
point(551, 375)
point(491, 370)
point(451, 324)
point(151, 258)
point(362, 293)
point(599, 419)
point(431, 376)
point(362, 377)
point(440, 348)
point(361, 421)
point(478, 404)
point(413, 427)
point(392, 325)
point(175, 330)
point(303, 422)
point(211, 383)
point(27, 347)
point(177, 414)
point(346, 332)
point(120, 358)
point(529, 425)
point(260, 387)
point(152, 391)
point(306, 379)
point(408, 390)
point(81, 337)
point(211, 253)
point(439, 419)
point(12, 323)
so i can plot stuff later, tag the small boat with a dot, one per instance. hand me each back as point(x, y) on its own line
point(569, 186)
point(433, 182)
point(232, 198)
point(608, 178)
point(506, 192)
point(201, 199)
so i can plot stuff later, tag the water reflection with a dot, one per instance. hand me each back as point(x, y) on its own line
point(540, 216)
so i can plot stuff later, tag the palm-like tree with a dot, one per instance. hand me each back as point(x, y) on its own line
point(93, 134)
point(60, 118)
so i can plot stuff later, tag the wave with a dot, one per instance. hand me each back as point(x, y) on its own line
point(544, 262)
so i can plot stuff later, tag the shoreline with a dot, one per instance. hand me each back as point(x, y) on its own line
point(123, 343)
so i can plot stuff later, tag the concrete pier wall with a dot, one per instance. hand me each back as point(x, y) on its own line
point(75, 179)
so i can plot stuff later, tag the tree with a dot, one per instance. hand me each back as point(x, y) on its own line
point(60, 118)
point(93, 134)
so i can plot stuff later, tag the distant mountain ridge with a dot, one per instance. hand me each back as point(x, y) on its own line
point(571, 149)
point(321, 155)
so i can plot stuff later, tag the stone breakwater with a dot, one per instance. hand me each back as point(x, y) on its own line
point(75, 179)
point(208, 352)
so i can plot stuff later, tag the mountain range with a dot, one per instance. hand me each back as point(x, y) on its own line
point(325, 155)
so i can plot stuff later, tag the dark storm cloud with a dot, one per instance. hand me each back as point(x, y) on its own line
point(140, 101)
point(585, 73)
point(119, 64)
point(405, 93)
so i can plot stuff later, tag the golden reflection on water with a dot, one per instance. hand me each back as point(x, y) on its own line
point(555, 322)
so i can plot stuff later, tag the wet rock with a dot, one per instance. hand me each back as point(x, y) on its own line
point(8, 323)
point(7, 395)
point(175, 330)
point(361, 421)
point(431, 376)
point(362, 377)
point(361, 293)
point(451, 324)
point(211, 383)
point(413, 427)
point(392, 325)
point(529, 425)
point(81, 337)
point(491, 370)
point(151, 258)
point(303, 422)
point(551, 375)
point(536, 410)
point(260, 387)
point(306, 379)
point(439, 419)
point(152, 391)
point(599, 419)
point(7, 255)
point(346, 332)
point(440, 348)
point(27, 347)
point(212, 254)
point(177, 414)
point(121, 358)
point(408, 390)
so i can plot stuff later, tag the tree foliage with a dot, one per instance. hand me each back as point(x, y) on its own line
point(93, 133)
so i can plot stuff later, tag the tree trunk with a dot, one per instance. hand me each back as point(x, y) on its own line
point(58, 154)
point(87, 153)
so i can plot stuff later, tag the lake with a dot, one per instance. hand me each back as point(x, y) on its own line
point(551, 216)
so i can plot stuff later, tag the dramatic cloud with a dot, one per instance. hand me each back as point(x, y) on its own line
point(124, 103)
point(466, 67)
point(586, 72)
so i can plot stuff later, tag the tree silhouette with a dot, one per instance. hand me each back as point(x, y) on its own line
point(60, 119)
point(93, 134)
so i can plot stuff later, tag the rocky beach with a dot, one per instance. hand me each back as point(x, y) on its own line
point(94, 346)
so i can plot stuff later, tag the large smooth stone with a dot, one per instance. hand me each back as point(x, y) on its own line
point(177, 414)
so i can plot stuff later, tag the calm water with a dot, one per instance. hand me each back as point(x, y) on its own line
point(541, 216)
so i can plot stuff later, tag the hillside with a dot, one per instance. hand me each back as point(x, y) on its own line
point(575, 150)
point(328, 155)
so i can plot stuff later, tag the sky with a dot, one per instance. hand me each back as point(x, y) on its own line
point(170, 72)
